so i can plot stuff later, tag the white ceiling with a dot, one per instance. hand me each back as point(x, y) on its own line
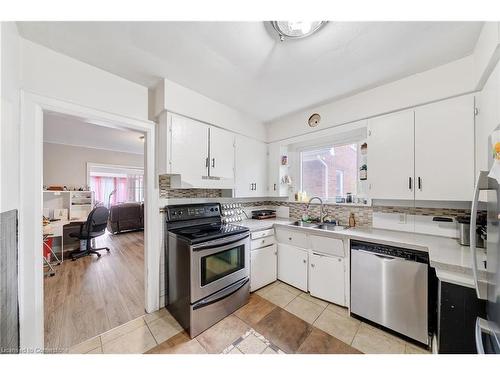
point(68, 130)
point(244, 65)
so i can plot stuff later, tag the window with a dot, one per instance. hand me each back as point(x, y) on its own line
point(328, 172)
point(112, 185)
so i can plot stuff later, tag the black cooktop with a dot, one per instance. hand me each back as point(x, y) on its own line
point(201, 233)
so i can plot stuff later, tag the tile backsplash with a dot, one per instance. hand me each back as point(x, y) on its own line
point(166, 192)
point(364, 215)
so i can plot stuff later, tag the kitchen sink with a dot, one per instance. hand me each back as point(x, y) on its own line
point(331, 227)
point(305, 225)
point(325, 226)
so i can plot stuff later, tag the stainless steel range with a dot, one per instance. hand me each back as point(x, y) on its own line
point(207, 266)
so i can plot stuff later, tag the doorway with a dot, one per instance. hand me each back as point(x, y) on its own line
point(31, 299)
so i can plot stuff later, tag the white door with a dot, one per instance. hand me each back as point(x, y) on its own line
point(221, 153)
point(292, 266)
point(444, 150)
point(327, 278)
point(391, 157)
point(251, 167)
point(263, 267)
point(189, 148)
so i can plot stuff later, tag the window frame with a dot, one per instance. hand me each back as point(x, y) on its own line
point(327, 146)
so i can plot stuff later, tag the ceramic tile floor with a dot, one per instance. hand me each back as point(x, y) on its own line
point(335, 321)
point(289, 319)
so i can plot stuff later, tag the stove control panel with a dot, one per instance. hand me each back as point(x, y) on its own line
point(232, 213)
point(193, 211)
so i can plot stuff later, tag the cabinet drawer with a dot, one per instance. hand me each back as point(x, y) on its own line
point(291, 237)
point(262, 242)
point(327, 245)
point(262, 233)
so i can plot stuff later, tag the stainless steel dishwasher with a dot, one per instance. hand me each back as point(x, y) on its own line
point(389, 286)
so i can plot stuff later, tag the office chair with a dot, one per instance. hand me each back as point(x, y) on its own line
point(95, 226)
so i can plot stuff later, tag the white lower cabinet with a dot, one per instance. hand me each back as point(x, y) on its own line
point(292, 266)
point(263, 267)
point(327, 278)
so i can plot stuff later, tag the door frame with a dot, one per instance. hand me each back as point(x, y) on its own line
point(31, 295)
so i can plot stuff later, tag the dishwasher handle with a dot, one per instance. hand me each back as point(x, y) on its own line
point(383, 256)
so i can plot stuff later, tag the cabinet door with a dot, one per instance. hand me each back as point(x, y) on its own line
point(275, 170)
point(263, 267)
point(391, 157)
point(221, 153)
point(487, 119)
point(292, 266)
point(189, 148)
point(251, 167)
point(326, 278)
point(444, 150)
point(260, 161)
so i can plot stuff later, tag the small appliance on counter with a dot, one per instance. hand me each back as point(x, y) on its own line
point(464, 230)
point(263, 214)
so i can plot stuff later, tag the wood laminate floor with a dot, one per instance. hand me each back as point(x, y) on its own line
point(93, 295)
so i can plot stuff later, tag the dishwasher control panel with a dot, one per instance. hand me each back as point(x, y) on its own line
point(391, 251)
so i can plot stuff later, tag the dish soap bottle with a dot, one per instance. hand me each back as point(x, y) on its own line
point(352, 220)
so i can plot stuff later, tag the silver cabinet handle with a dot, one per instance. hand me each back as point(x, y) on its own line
point(213, 162)
point(207, 163)
point(274, 187)
point(419, 183)
point(410, 185)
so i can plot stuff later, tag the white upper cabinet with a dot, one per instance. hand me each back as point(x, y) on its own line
point(250, 167)
point(390, 156)
point(197, 155)
point(487, 119)
point(221, 153)
point(189, 148)
point(423, 154)
point(444, 150)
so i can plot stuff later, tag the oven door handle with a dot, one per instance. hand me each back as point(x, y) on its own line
point(220, 242)
point(224, 293)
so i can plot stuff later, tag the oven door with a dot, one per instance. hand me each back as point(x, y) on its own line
point(218, 264)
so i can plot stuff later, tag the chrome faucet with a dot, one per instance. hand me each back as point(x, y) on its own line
point(321, 214)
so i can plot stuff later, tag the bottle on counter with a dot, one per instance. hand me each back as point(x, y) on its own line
point(352, 220)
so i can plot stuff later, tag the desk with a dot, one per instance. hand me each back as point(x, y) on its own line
point(55, 229)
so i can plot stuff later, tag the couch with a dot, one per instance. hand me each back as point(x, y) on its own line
point(126, 217)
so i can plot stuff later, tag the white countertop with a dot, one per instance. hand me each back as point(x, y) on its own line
point(451, 261)
point(255, 225)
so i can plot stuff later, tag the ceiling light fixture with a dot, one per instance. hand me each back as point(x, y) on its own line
point(296, 29)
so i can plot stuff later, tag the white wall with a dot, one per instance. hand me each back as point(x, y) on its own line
point(445, 81)
point(9, 109)
point(55, 75)
point(67, 165)
point(175, 98)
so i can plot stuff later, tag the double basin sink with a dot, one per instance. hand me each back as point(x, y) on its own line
point(325, 226)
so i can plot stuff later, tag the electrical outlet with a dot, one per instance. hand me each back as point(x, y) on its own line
point(402, 218)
